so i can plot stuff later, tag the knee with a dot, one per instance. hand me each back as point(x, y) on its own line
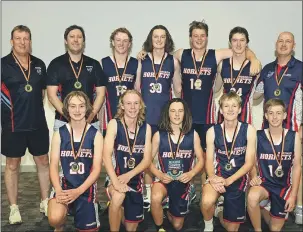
point(117, 199)
point(156, 197)
point(207, 202)
point(253, 198)
point(233, 227)
point(55, 218)
point(13, 164)
point(177, 225)
point(42, 160)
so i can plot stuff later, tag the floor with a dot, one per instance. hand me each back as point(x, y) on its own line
point(33, 220)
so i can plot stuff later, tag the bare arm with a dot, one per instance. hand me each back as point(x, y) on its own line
point(54, 161)
point(177, 81)
point(210, 149)
point(178, 54)
point(249, 157)
point(155, 151)
point(53, 98)
point(219, 81)
point(138, 77)
point(199, 154)
point(97, 162)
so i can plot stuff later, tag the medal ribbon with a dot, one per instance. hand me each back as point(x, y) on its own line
point(178, 144)
point(117, 70)
point(233, 82)
point(20, 66)
point(76, 74)
point(228, 154)
point(81, 141)
point(195, 65)
point(277, 77)
point(131, 149)
point(273, 147)
point(161, 64)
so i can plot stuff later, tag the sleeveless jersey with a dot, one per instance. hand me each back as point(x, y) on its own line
point(122, 155)
point(113, 93)
point(185, 155)
point(200, 101)
point(290, 86)
point(244, 86)
point(267, 163)
point(73, 179)
point(237, 158)
point(155, 99)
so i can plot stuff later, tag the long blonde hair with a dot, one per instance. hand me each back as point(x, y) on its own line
point(120, 110)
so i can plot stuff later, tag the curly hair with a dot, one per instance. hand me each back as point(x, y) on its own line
point(77, 94)
point(198, 25)
point(165, 121)
point(169, 44)
point(122, 30)
point(120, 111)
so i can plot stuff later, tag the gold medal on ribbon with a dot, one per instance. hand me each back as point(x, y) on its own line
point(234, 81)
point(228, 167)
point(77, 84)
point(28, 88)
point(279, 171)
point(131, 162)
point(156, 87)
point(75, 166)
point(119, 86)
point(198, 81)
point(277, 92)
point(198, 84)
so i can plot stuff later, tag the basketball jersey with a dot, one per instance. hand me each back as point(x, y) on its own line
point(155, 99)
point(290, 86)
point(244, 86)
point(122, 155)
point(185, 156)
point(73, 179)
point(200, 101)
point(237, 158)
point(113, 92)
point(267, 163)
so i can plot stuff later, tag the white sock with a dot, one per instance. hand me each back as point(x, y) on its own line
point(209, 225)
point(148, 190)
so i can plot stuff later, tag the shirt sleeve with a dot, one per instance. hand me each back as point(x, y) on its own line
point(99, 75)
point(52, 75)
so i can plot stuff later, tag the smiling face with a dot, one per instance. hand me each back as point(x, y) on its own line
point(77, 108)
point(121, 43)
point(230, 109)
point(176, 113)
point(285, 44)
point(198, 39)
point(159, 39)
point(275, 115)
point(21, 42)
point(131, 105)
point(238, 43)
point(75, 41)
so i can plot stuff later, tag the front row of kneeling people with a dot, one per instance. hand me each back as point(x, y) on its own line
point(238, 159)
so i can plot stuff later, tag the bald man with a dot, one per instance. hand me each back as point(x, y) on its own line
point(282, 79)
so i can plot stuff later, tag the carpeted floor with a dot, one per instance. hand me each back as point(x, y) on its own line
point(33, 220)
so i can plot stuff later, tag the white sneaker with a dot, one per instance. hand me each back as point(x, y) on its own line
point(14, 216)
point(44, 206)
point(298, 215)
point(219, 206)
point(265, 204)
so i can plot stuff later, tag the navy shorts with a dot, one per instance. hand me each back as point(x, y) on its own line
point(277, 197)
point(234, 208)
point(14, 144)
point(201, 129)
point(133, 206)
point(178, 194)
point(85, 212)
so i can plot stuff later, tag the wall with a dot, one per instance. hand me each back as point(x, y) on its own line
point(48, 21)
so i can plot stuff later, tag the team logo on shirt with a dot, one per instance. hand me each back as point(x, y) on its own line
point(38, 69)
point(89, 68)
point(270, 74)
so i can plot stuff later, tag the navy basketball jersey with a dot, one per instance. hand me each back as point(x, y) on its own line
point(73, 179)
point(244, 85)
point(184, 158)
point(290, 78)
point(122, 155)
point(113, 89)
point(238, 154)
point(267, 163)
point(156, 98)
point(200, 100)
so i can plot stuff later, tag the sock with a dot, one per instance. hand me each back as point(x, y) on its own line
point(148, 191)
point(209, 225)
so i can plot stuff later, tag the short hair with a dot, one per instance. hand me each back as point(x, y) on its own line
point(78, 94)
point(74, 27)
point(229, 96)
point(122, 30)
point(21, 28)
point(274, 102)
point(169, 43)
point(164, 123)
point(120, 111)
point(240, 30)
point(198, 25)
